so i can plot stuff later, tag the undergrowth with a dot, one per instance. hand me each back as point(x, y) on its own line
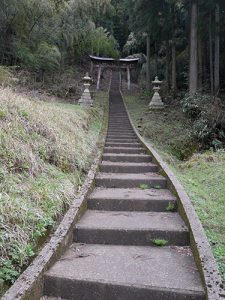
point(45, 152)
point(202, 174)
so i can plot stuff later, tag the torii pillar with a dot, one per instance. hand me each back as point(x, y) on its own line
point(128, 78)
point(99, 76)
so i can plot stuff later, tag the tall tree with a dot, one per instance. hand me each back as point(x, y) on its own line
point(217, 49)
point(193, 60)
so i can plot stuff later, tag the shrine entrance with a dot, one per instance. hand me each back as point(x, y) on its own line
point(124, 64)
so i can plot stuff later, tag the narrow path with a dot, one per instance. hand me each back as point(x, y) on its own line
point(114, 254)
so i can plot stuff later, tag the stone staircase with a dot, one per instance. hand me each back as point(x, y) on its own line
point(116, 253)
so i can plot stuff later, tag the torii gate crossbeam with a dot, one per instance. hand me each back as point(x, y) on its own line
point(124, 63)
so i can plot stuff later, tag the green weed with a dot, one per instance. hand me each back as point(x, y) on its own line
point(7, 272)
point(170, 207)
point(160, 242)
point(157, 187)
point(144, 186)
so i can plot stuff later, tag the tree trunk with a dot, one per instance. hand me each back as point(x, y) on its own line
point(148, 71)
point(211, 55)
point(217, 49)
point(167, 71)
point(174, 66)
point(200, 64)
point(193, 64)
point(205, 61)
point(173, 45)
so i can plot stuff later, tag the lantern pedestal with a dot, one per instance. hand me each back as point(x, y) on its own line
point(156, 102)
point(86, 99)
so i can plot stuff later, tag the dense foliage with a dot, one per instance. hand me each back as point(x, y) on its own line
point(47, 35)
point(185, 35)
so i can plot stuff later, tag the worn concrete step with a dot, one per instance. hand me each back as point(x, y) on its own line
point(118, 117)
point(127, 157)
point(124, 150)
point(127, 167)
point(119, 121)
point(131, 200)
point(122, 140)
point(117, 112)
point(131, 228)
point(129, 180)
point(101, 272)
point(115, 123)
point(128, 145)
point(118, 157)
point(52, 298)
point(121, 136)
point(119, 128)
point(119, 125)
point(120, 131)
point(124, 130)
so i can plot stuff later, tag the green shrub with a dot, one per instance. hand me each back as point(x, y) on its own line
point(208, 115)
point(184, 147)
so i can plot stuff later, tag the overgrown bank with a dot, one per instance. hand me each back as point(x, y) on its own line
point(202, 174)
point(46, 150)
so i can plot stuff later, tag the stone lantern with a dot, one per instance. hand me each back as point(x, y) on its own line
point(86, 99)
point(156, 102)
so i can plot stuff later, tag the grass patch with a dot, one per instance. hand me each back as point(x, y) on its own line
point(169, 129)
point(46, 150)
point(202, 174)
point(160, 242)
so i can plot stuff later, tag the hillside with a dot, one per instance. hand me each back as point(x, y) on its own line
point(45, 151)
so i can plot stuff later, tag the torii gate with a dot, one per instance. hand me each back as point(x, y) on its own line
point(124, 63)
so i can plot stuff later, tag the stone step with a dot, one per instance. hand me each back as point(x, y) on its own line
point(119, 119)
point(102, 272)
point(122, 140)
point(117, 116)
point(124, 150)
point(127, 180)
point(119, 125)
point(114, 121)
point(127, 167)
point(127, 157)
point(52, 298)
point(131, 200)
point(120, 131)
point(121, 136)
point(128, 145)
point(131, 228)
point(115, 127)
point(117, 111)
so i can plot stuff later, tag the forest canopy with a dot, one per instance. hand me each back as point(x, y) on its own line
point(183, 40)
